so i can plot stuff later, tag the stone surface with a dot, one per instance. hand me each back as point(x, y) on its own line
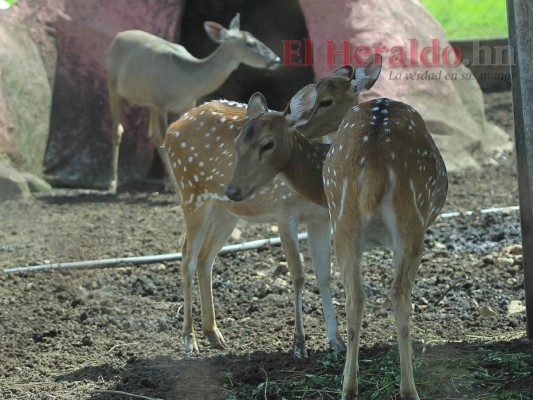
point(13, 186)
point(55, 49)
point(452, 108)
point(25, 97)
point(79, 150)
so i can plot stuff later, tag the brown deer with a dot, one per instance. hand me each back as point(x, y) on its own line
point(163, 76)
point(383, 181)
point(201, 155)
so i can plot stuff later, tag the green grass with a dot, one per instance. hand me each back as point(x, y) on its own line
point(470, 19)
point(443, 372)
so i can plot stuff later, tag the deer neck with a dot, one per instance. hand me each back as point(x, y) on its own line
point(211, 72)
point(304, 171)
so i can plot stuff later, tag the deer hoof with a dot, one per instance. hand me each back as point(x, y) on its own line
point(216, 339)
point(349, 395)
point(299, 349)
point(189, 341)
point(338, 345)
point(112, 187)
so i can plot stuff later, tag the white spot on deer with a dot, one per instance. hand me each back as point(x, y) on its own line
point(176, 134)
point(207, 146)
point(201, 164)
point(412, 187)
point(365, 138)
point(214, 128)
point(183, 145)
point(343, 196)
point(384, 111)
point(223, 119)
point(190, 159)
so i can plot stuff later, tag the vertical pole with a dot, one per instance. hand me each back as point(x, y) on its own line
point(520, 19)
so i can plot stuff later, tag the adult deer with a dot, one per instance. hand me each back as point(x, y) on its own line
point(383, 181)
point(163, 76)
point(200, 152)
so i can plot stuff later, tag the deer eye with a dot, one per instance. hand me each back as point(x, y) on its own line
point(265, 147)
point(325, 103)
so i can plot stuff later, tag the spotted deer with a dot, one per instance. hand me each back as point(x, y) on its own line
point(383, 181)
point(201, 155)
point(149, 71)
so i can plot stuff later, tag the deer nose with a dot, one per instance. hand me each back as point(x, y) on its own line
point(275, 63)
point(233, 193)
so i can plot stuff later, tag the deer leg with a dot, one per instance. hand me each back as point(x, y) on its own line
point(288, 232)
point(193, 241)
point(320, 246)
point(116, 134)
point(407, 256)
point(158, 138)
point(220, 228)
point(349, 252)
point(189, 337)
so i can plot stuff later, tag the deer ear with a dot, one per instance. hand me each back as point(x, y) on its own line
point(235, 23)
point(302, 105)
point(365, 76)
point(256, 105)
point(215, 31)
point(345, 71)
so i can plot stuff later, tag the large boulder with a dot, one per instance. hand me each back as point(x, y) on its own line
point(446, 95)
point(79, 149)
point(13, 186)
point(25, 94)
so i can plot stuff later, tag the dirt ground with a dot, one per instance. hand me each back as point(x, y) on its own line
point(72, 334)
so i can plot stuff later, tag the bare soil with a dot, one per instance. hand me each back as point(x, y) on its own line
point(73, 334)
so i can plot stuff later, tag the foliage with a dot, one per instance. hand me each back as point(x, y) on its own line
point(449, 371)
point(470, 19)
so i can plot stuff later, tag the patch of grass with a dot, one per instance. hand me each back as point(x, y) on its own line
point(453, 371)
point(470, 19)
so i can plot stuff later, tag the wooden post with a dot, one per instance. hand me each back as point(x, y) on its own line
point(520, 18)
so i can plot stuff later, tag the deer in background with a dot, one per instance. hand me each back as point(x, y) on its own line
point(200, 152)
point(163, 76)
point(383, 182)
